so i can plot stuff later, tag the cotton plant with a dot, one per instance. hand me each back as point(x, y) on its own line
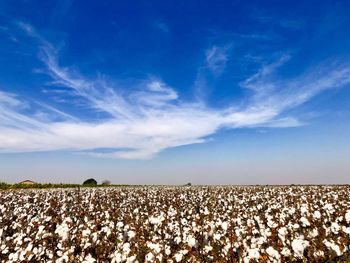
point(176, 224)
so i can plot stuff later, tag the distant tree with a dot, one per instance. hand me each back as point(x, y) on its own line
point(4, 185)
point(90, 181)
point(106, 182)
point(188, 184)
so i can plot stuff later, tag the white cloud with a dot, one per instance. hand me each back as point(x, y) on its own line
point(216, 59)
point(284, 94)
point(9, 99)
point(285, 122)
point(153, 118)
point(27, 28)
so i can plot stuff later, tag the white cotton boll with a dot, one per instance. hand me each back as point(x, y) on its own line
point(154, 220)
point(22, 256)
point(267, 232)
point(327, 229)
point(304, 209)
point(131, 259)
point(304, 222)
point(167, 250)
point(126, 248)
point(62, 231)
point(333, 247)
point(217, 236)
point(120, 224)
point(117, 258)
point(131, 234)
point(298, 246)
point(335, 228)
point(273, 253)
point(191, 241)
point(317, 214)
point(227, 248)
point(329, 208)
point(224, 226)
point(106, 230)
point(250, 222)
point(291, 211)
point(218, 223)
point(13, 257)
point(88, 244)
point(29, 247)
point(149, 257)
point(4, 249)
point(207, 249)
point(65, 258)
point(272, 224)
point(339, 219)
point(89, 259)
point(346, 230)
point(41, 229)
point(253, 242)
point(154, 246)
point(286, 252)
point(177, 240)
point(46, 235)
point(319, 253)
point(178, 257)
point(282, 232)
point(296, 226)
point(86, 232)
point(253, 253)
point(94, 237)
point(313, 233)
point(347, 216)
point(71, 250)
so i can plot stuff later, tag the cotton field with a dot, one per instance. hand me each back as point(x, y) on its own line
point(176, 224)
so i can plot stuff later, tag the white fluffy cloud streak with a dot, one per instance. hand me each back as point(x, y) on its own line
point(141, 137)
point(145, 122)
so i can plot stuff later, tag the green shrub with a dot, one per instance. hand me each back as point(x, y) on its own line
point(90, 182)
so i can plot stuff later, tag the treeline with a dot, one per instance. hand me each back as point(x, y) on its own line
point(5, 186)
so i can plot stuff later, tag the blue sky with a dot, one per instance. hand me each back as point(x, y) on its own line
point(224, 92)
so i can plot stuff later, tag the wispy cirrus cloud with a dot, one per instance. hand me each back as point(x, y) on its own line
point(153, 117)
point(97, 93)
point(216, 59)
point(11, 116)
point(283, 94)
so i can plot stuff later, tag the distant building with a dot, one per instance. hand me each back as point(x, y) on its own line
point(27, 182)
